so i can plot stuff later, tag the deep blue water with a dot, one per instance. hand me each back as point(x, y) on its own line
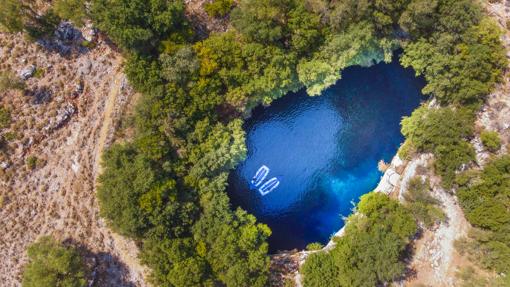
point(324, 150)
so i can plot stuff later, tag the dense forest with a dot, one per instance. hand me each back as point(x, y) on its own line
point(165, 188)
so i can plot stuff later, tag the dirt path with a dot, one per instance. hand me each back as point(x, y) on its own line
point(58, 196)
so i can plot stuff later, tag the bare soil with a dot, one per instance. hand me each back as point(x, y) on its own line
point(57, 197)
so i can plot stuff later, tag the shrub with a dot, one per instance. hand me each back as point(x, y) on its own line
point(50, 263)
point(370, 252)
point(490, 140)
point(484, 199)
point(5, 118)
point(73, 10)
point(31, 162)
point(314, 246)
point(219, 8)
point(422, 205)
point(9, 81)
point(319, 271)
point(444, 132)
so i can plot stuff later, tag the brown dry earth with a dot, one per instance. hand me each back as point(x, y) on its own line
point(58, 196)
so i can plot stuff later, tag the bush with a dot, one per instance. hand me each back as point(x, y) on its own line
point(314, 246)
point(9, 81)
point(50, 263)
point(5, 118)
point(319, 271)
point(423, 206)
point(219, 8)
point(444, 132)
point(484, 199)
point(32, 162)
point(370, 252)
point(74, 10)
point(490, 140)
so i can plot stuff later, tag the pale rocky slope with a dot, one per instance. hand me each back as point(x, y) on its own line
point(85, 94)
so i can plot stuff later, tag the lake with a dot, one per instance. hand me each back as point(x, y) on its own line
point(324, 152)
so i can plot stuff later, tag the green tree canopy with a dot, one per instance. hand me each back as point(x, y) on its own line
point(74, 10)
point(139, 24)
point(444, 132)
point(371, 250)
point(51, 264)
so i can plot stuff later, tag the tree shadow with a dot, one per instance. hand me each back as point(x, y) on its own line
point(110, 271)
point(66, 41)
point(104, 269)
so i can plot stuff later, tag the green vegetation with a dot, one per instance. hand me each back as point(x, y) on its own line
point(444, 132)
point(5, 118)
point(9, 81)
point(74, 10)
point(219, 8)
point(21, 16)
point(314, 246)
point(484, 198)
point(470, 278)
point(460, 62)
point(32, 162)
point(53, 264)
point(139, 24)
point(166, 187)
point(490, 140)
point(422, 205)
point(371, 251)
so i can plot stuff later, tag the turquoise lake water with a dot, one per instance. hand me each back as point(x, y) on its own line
point(324, 151)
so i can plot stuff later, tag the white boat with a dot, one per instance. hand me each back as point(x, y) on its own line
point(260, 175)
point(269, 186)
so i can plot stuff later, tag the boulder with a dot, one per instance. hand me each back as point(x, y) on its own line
point(63, 115)
point(27, 72)
point(66, 32)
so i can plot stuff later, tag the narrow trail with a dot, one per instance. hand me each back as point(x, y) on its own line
point(107, 121)
point(58, 196)
point(127, 250)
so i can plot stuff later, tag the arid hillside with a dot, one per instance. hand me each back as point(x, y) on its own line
point(74, 99)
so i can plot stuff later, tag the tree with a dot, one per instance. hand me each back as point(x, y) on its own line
point(356, 46)
point(261, 21)
point(137, 200)
point(140, 25)
point(74, 10)
point(126, 177)
point(371, 250)
point(12, 14)
point(51, 264)
point(320, 271)
point(484, 200)
point(219, 8)
point(179, 67)
point(233, 243)
point(422, 205)
point(284, 23)
point(214, 150)
point(419, 18)
point(20, 16)
point(174, 262)
point(490, 140)
point(459, 73)
point(443, 132)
